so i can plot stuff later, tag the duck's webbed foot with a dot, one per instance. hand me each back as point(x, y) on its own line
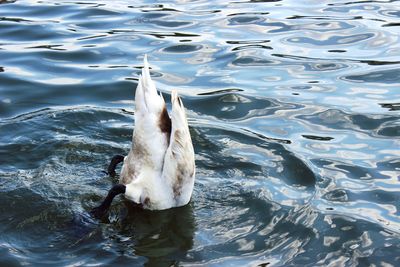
point(101, 210)
point(113, 164)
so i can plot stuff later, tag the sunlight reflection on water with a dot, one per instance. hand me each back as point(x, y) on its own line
point(294, 115)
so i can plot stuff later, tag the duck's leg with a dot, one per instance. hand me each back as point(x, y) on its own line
point(99, 211)
point(113, 164)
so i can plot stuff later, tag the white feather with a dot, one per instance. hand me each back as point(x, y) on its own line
point(158, 172)
point(179, 167)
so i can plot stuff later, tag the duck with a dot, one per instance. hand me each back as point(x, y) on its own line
point(158, 173)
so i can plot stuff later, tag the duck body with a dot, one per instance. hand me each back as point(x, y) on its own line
point(159, 171)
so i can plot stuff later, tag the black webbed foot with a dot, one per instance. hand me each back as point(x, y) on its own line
point(100, 211)
point(113, 164)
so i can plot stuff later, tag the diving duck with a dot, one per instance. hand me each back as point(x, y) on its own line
point(159, 171)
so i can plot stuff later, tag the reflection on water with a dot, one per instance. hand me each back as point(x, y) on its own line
point(163, 237)
point(294, 114)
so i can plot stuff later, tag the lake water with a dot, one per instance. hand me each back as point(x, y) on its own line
point(294, 109)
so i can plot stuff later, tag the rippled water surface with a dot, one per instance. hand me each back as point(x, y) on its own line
point(294, 112)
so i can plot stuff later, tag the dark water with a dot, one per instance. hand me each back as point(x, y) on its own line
point(294, 108)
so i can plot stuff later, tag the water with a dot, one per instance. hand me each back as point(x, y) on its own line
point(293, 108)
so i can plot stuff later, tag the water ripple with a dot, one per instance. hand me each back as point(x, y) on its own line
point(293, 110)
point(390, 76)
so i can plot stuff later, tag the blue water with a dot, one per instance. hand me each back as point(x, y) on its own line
point(294, 110)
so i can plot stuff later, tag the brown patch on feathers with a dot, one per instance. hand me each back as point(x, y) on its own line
point(165, 122)
point(183, 173)
point(146, 201)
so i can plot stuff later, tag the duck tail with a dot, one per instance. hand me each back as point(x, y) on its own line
point(146, 97)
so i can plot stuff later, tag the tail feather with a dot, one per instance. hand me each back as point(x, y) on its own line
point(180, 136)
point(139, 97)
point(178, 113)
point(179, 165)
point(147, 83)
point(150, 139)
point(147, 99)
